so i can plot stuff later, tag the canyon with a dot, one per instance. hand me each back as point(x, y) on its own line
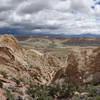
point(46, 61)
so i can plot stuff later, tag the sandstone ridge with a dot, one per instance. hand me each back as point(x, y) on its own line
point(81, 64)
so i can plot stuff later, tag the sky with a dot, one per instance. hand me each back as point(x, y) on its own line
point(50, 16)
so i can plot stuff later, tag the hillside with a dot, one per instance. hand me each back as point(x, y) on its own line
point(39, 63)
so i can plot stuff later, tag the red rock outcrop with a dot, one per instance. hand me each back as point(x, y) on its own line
point(82, 66)
point(11, 41)
point(30, 64)
point(42, 67)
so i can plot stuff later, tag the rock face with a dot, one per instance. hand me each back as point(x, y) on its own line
point(28, 64)
point(11, 55)
point(42, 67)
point(11, 42)
point(82, 64)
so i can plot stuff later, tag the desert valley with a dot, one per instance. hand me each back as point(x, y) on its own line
point(43, 68)
point(49, 49)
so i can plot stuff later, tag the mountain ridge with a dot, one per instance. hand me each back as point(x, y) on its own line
point(56, 35)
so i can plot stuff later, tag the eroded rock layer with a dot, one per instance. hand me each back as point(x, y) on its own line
point(82, 65)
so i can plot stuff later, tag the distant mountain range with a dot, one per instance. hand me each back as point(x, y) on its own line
point(84, 35)
point(57, 35)
point(62, 35)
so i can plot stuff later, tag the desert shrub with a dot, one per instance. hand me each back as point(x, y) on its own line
point(52, 45)
point(40, 92)
point(20, 92)
point(22, 80)
point(69, 92)
point(13, 89)
point(19, 98)
point(49, 93)
point(97, 98)
point(91, 90)
point(1, 84)
point(65, 91)
point(15, 80)
point(82, 88)
point(4, 74)
point(9, 95)
point(54, 90)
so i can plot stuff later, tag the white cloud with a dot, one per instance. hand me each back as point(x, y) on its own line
point(31, 6)
point(82, 5)
point(97, 10)
point(51, 16)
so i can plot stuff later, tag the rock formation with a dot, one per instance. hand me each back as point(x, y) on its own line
point(29, 64)
point(82, 65)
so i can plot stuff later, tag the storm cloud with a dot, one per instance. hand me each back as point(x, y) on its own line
point(50, 16)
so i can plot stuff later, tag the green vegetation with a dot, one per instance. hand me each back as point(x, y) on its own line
point(97, 98)
point(67, 91)
point(22, 80)
point(15, 89)
point(20, 92)
point(52, 45)
point(15, 80)
point(9, 95)
point(4, 74)
point(41, 92)
point(1, 84)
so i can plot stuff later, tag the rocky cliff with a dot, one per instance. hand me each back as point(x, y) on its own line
point(28, 64)
point(82, 65)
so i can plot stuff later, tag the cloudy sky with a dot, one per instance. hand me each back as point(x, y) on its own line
point(50, 16)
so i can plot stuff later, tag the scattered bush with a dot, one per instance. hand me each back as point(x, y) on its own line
point(15, 80)
point(4, 74)
point(49, 93)
point(20, 98)
point(1, 84)
point(13, 89)
point(9, 95)
point(97, 98)
point(52, 45)
point(39, 92)
point(20, 92)
point(22, 80)
point(63, 92)
point(54, 90)
point(91, 90)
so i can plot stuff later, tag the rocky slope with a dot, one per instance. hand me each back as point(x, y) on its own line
point(28, 65)
point(82, 65)
point(31, 62)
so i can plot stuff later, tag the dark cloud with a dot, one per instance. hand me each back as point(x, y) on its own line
point(49, 16)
